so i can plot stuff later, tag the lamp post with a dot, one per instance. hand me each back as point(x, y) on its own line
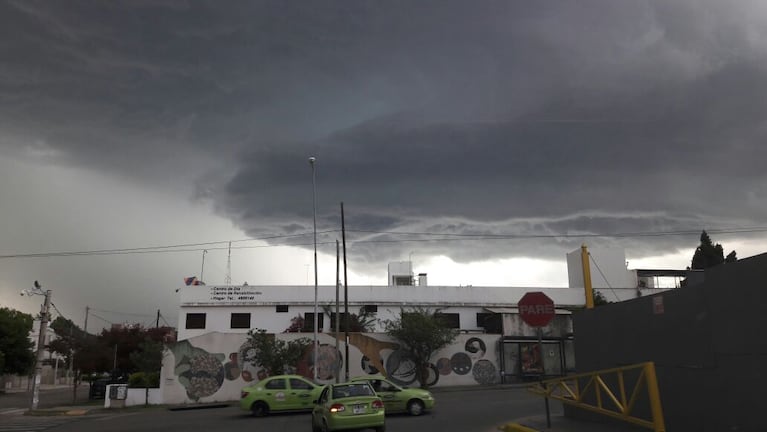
point(312, 161)
point(44, 317)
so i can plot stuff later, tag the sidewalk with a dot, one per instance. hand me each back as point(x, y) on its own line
point(43, 387)
point(560, 423)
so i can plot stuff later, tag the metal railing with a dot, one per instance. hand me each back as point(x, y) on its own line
point(606, 392)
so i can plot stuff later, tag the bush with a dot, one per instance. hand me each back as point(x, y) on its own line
point(142, 380)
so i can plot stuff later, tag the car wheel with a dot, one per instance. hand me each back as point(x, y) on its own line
point(415, 407)
point(260, 409)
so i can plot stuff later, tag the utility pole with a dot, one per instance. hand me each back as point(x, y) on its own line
point(157, 324)
point(312, 161)
point(85, 327)
point(44, 317)
point(586, 266)
point(338, 317)
point(346, 299)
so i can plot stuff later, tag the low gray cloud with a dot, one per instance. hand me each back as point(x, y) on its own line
point(429, 117)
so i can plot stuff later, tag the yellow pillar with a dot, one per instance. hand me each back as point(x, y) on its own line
point(587, 277)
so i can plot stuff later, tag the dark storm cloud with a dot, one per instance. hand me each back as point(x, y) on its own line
point(450, 117)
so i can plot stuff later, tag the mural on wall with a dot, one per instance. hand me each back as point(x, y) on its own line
point(329, 364)
point(200, 372)
point(203, 374)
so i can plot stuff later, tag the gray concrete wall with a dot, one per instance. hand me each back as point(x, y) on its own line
point(709, 345)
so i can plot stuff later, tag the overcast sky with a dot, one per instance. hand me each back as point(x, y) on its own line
point(135, 124)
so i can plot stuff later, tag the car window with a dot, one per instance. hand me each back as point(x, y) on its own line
point(356, 389)
point(324, 396)
point(386, 386)
point(275, 384)
point(299, 384)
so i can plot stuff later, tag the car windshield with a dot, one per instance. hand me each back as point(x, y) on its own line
point(350, 390)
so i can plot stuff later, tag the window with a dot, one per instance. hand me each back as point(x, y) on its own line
point(491, 322)
point(309, 321)
point(281, 308)
point(299, 384)
point(370, 308)
point(276, 384)
point(240, 320)
point(195, 321)
point(482, 317)
point(403, 280)
point(451, 320)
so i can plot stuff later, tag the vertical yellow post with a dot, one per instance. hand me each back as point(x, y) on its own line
point(587, 277)
point(659, 425)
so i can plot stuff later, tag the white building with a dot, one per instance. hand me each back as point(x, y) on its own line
point(207, 363)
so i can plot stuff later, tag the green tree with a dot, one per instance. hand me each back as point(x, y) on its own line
point(708, 254)
point(362, 322)
point(423, 333)
point(273, 354)
point(15, 345)
point(148, 360)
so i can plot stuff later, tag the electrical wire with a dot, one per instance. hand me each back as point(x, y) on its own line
point(444, 237)
point(163, 248)
point(102, 318)
point(584, 235)
point(604, 277)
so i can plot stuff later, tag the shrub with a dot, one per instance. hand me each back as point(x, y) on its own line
point(142, 380)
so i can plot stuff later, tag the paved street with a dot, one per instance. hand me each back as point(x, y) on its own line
point(469, 410)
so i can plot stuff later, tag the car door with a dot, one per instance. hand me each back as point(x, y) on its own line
point(319, 408)
point(276, 394)
point(389, 394)
point(300, 394)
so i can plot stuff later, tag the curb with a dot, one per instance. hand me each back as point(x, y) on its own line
point(197, 407)
point(515, 427)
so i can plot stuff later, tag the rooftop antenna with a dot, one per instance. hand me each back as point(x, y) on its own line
point(228, 280)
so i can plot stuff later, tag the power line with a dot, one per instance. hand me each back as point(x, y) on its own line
point(102, 319)
point(583, 235)
point(604, 277)
point(122, 313)
point(444, 238)
point(156, 249)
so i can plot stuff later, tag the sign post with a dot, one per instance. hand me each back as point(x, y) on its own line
point(537, 310)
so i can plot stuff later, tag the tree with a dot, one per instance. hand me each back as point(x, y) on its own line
point(361, 322)
point(148, 360)
point(15, 345)
point(600, 299)
point(423, 333)
point(273, 354)
point(708, 254)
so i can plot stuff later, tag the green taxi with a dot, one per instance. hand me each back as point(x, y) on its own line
point(399, 399)
point(279, 393)
point(351, 405)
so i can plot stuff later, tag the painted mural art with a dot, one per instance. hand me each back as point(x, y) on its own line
point(329, 364)
point(200, 372)
point(249, 371)
point(219, 373)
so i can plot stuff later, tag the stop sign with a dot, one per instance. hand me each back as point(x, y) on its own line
point(536, 309)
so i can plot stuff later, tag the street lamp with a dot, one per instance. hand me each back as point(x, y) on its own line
point(312, 161)
point(44, 316)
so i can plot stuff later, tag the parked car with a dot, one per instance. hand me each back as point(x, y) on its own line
point(352, 405)
point(399, 399)
point(279, 393)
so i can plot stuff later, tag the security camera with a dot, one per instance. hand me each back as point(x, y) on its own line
point(37, 284)
point(312, 159)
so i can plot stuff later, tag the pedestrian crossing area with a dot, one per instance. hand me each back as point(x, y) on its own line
point(11, 421)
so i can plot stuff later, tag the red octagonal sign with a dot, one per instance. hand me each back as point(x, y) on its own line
point(536, 309)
